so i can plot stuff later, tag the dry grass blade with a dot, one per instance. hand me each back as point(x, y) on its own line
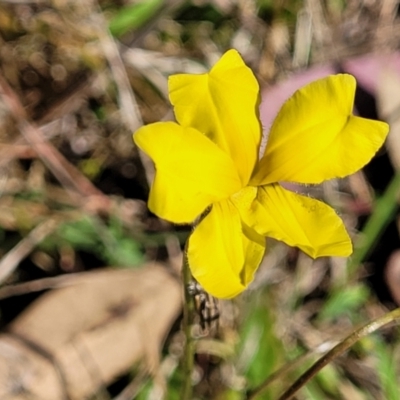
point(127, 102)
point(37, 285)
point(11, 260)
point(68, 175)
point(126, 98)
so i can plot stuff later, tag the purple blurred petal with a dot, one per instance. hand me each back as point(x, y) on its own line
point(275, 96)
point(368, 68)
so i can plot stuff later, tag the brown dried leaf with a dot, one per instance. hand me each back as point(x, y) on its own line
point(74, 340)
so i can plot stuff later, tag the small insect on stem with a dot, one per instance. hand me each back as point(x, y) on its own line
point(206, 307)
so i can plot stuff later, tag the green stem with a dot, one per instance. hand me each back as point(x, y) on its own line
point(384, 210)
point(338, 350)
point(188, 317)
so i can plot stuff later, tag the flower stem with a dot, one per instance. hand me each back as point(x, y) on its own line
point(188, 317)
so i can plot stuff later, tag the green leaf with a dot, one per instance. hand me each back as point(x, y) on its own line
point(133, 16)
point(329, 379)
point(344, 301)
point(108, 242)
point(127, 253)
point(387, 371)
point(261, 352)
point(79, 234)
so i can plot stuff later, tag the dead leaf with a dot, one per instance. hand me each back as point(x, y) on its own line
point(76, 339)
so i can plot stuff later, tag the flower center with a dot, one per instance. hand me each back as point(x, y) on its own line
point(244, 197)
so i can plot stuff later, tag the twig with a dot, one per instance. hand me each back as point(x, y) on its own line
point(68, 175)
point(281, 372)
point(38, 285)
point(393, 316)
point(11, 260)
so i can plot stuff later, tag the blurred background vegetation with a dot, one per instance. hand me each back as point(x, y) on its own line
point(78, 77)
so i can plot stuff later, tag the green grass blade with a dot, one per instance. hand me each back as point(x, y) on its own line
point(384, 210)
point(133, 16)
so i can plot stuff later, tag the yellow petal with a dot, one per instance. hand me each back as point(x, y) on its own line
point(221, 257)
point(315, 137)
point(254, 249)
point(296, 220)
point(191, 171)
point(223, 105)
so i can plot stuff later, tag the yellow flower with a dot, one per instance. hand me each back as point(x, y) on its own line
point(210, 157)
